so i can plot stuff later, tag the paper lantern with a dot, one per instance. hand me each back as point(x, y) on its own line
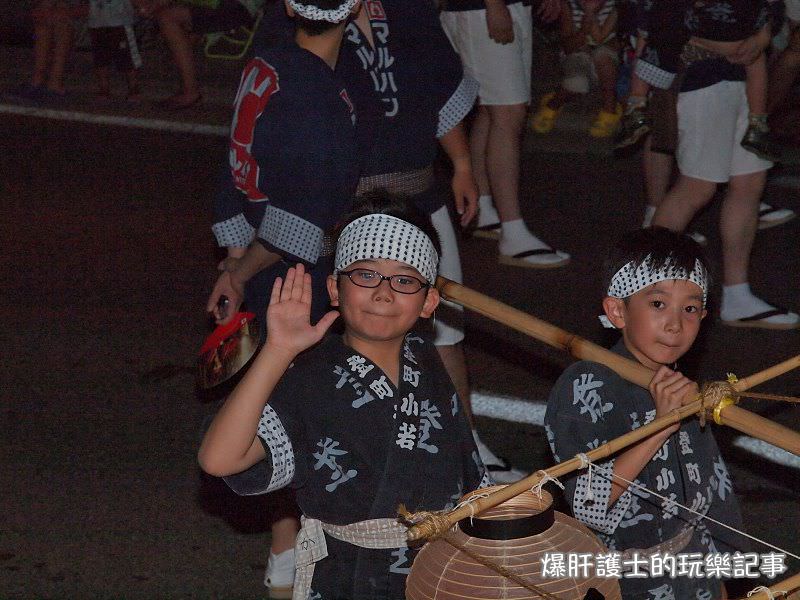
point(515, 535)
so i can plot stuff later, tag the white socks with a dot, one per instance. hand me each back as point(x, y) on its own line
point(487, 213)
point(649, 211)
point(280, 569)
point(515, 237)
point(738, 302)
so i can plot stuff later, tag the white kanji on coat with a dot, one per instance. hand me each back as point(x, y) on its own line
point(429, 414)
point(410, 375)
point(358, 364)
point(409, 406)
point(721, 481)
point(662, 592)
point(329, 451)
point(381, 388)
point(584, 392)
point(406, 436)
point(664, 479)
point(693, 471)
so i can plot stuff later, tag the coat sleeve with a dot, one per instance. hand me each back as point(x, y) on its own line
point(585, 410)
point(231, 228)
point(281, 435)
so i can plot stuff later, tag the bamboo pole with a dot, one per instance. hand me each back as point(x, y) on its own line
point(733, 416)
point(745, 383)
point(788, 586)
point(638, 374)
point(426, 529)
point(543, 331)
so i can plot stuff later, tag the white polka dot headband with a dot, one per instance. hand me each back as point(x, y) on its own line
point(633, 278)
point(383, 236)
point(314, 13)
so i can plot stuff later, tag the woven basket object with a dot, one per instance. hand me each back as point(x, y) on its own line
point(528, 527)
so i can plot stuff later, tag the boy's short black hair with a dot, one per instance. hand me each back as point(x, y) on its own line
point(660, 244)
point(383, 202)
point(317, 27)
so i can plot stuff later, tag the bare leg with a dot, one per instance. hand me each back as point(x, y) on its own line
point(43, 37)
point(456, 365)
point(682, 202)
point(738, 222)
point(478, 139)
point(103, 75)
point(657, 174)
point(284, 532)
point(784, 72)
point(502, 157)
point(62, 43)
point(607, 76)
point(175, 23)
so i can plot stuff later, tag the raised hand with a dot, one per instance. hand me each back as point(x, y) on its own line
point(289, 326)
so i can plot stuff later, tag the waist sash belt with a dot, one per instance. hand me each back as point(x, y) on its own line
point(409, 183)
point(673, 546)
point(311, 547)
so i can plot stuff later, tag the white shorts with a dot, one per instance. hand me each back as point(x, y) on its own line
point(793, 10)
point(579, 72)
point(502, 70)
point(449, 325)
point(711, 124)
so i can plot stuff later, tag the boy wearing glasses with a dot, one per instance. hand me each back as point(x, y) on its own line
point(361, 422)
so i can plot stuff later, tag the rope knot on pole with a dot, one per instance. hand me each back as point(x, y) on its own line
point(715, 396)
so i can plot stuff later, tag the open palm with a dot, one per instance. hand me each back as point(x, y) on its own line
point(289, 314)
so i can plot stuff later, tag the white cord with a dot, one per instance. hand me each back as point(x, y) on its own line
point(537, 489)
point(669, 503)
point(587, 464)
point(770, 594)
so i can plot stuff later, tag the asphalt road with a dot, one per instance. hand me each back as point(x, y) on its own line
point(107, 261)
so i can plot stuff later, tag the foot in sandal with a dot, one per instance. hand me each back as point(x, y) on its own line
point(520, 248)
point(771, 216)
point(741, 308)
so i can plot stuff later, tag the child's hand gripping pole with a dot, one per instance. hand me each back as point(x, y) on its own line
point(710, 401)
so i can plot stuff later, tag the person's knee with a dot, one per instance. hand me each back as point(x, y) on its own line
point(508, 117)
point(747, 187)
point(695, 192)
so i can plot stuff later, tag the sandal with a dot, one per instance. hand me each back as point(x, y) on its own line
point(487, 232)
point(759, 321)
point(545, 118)
point(174, 103)
point(606, 123)
point(771, 216)
point(518, 260)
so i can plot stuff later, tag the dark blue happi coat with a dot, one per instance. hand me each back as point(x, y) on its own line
point(291, 160)
point(355, 446)
point(409, 87)
point(589, 405)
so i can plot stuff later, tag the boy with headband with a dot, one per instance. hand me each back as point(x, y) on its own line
point(358, 424)
point(657, 289)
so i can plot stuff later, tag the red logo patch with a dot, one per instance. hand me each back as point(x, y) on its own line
point(259, 81)
point(375, 10)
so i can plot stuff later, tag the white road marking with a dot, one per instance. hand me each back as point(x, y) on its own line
point(97, 119)
point(531, 412)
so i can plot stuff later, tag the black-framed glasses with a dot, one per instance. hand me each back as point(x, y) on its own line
point(404, 284)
